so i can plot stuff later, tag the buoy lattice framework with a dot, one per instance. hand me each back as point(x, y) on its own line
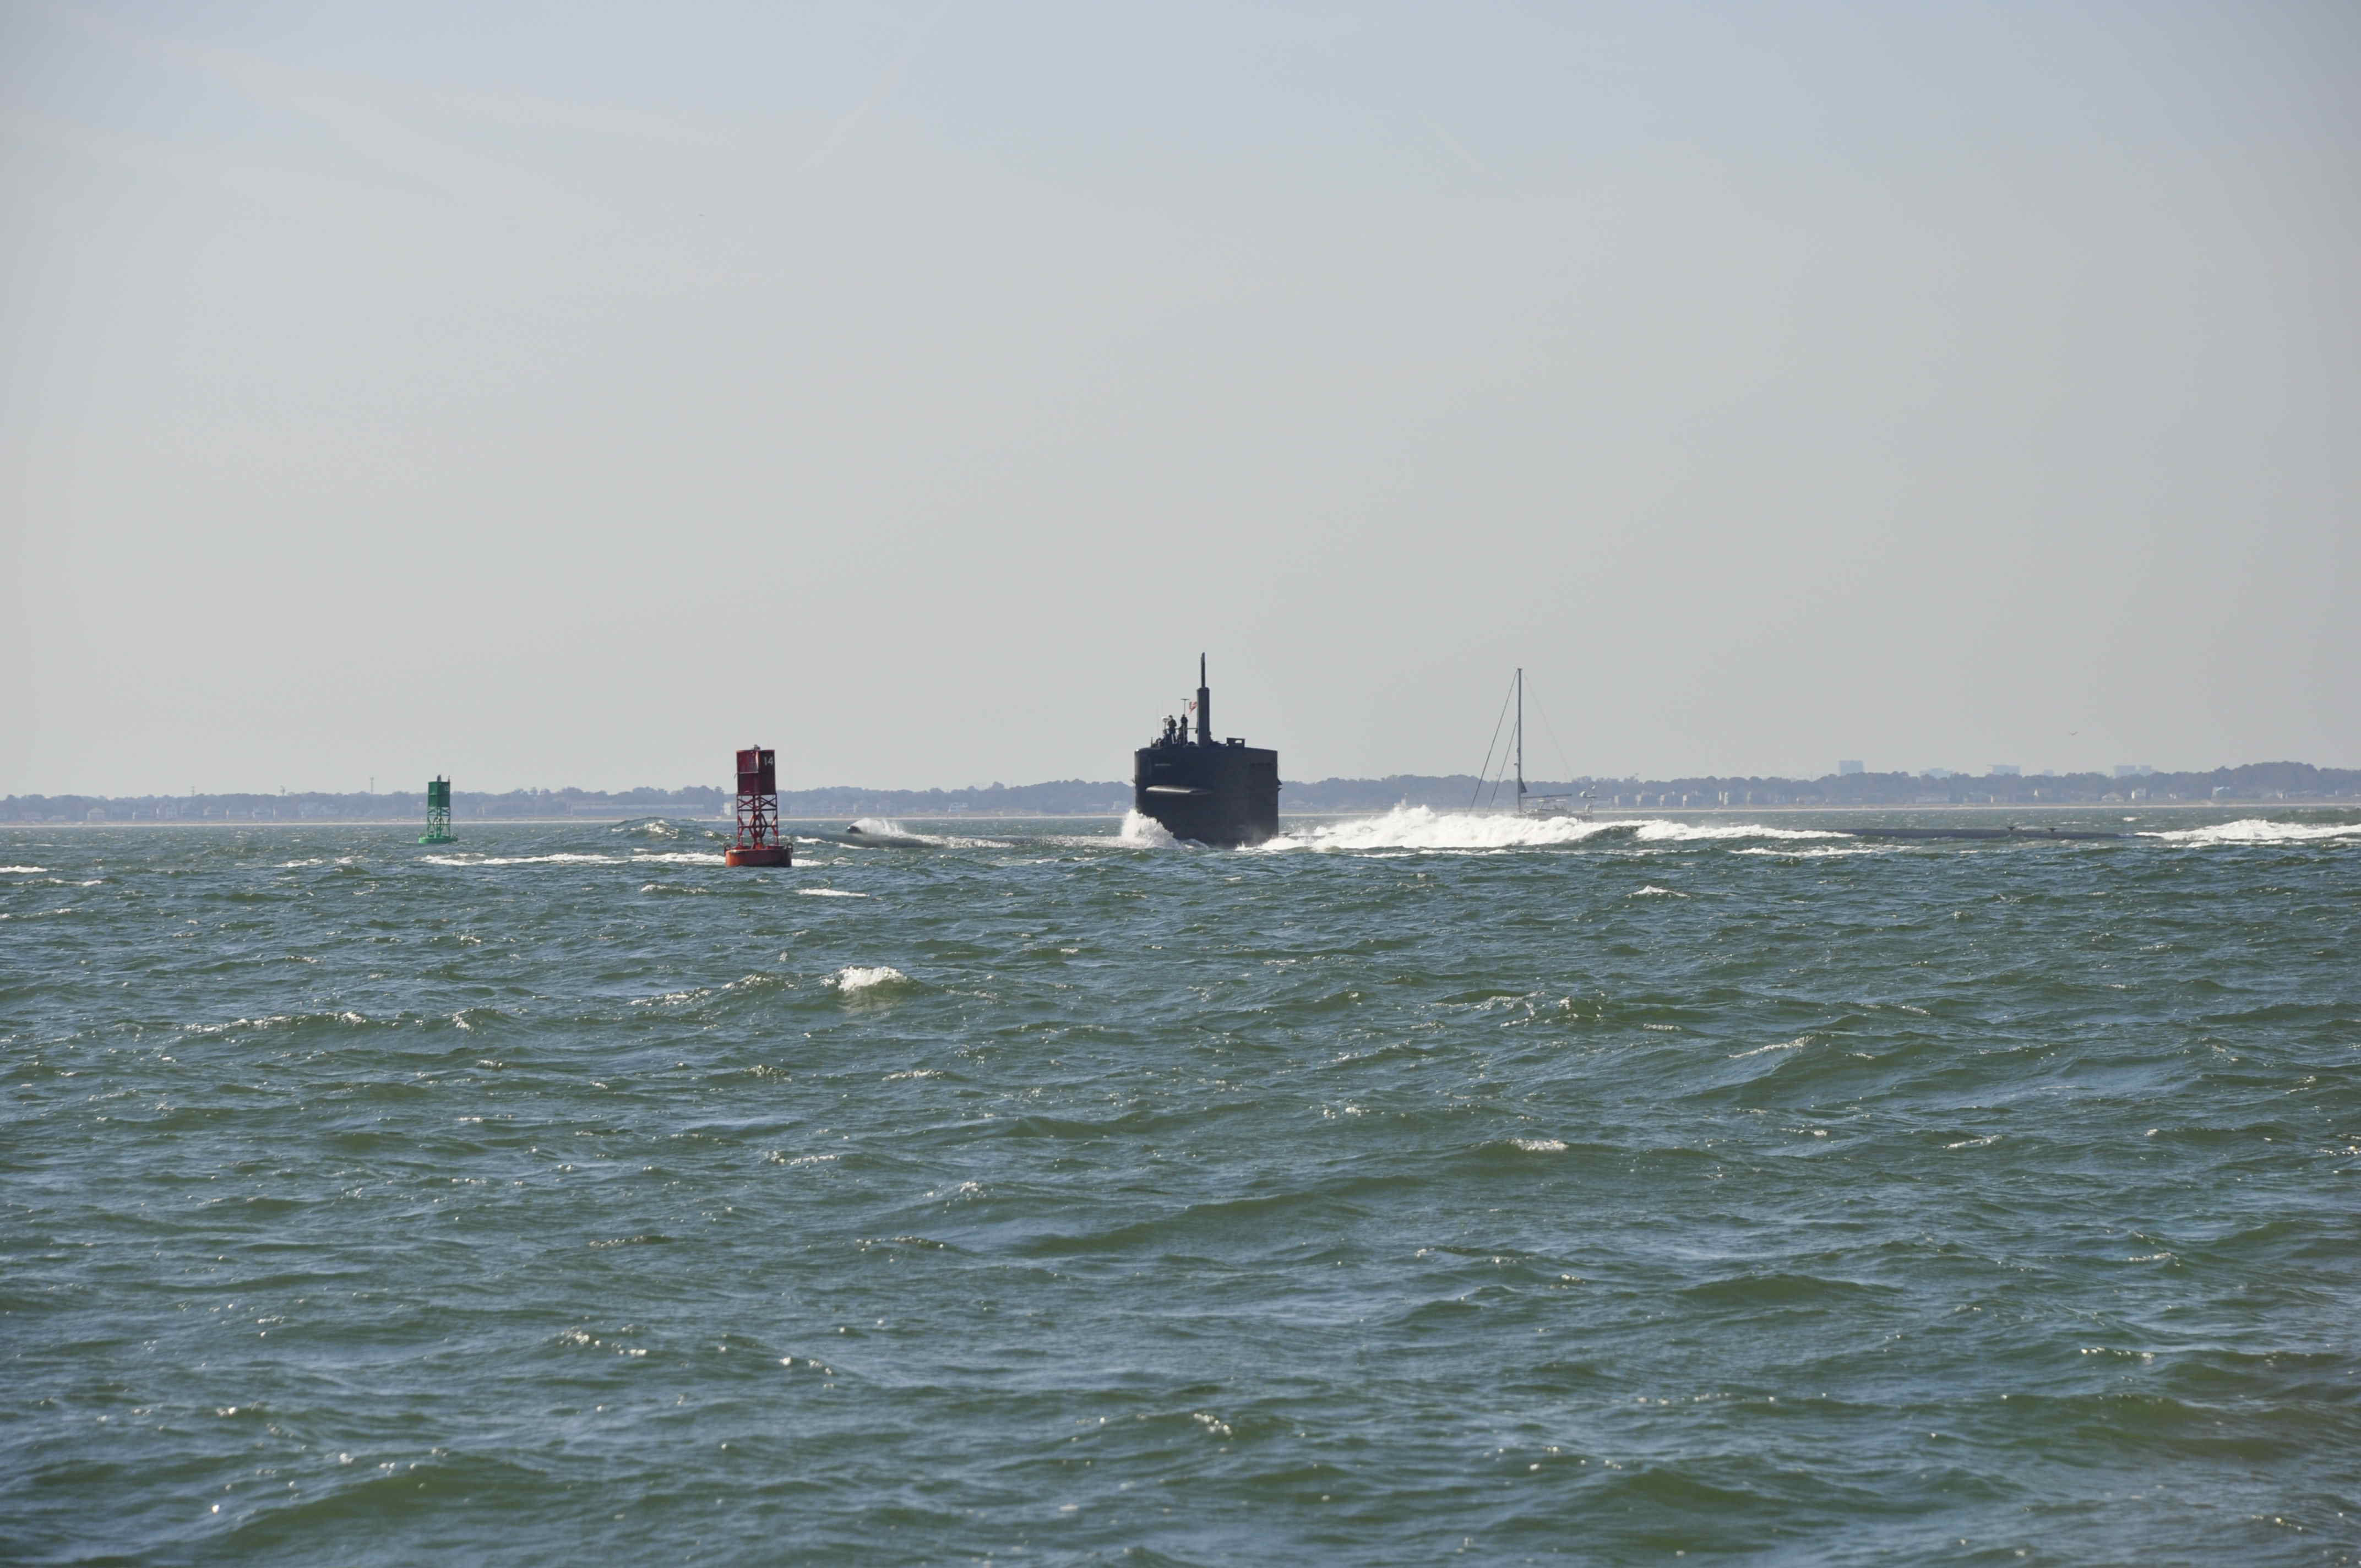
point(438, 812)
point(760, 842)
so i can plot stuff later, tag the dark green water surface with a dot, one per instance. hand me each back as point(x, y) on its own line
point(1029, 1193)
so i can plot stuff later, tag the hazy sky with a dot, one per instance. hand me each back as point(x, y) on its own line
point(570, 394)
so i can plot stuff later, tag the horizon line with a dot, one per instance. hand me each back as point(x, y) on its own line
point(1935, 775)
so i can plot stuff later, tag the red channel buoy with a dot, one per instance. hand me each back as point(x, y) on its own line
point(760, 842)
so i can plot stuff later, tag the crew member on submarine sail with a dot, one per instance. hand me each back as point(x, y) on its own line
point(1223, 794)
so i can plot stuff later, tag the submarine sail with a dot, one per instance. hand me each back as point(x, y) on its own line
point(1225, 795)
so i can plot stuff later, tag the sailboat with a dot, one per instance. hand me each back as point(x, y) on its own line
point(1527, 804)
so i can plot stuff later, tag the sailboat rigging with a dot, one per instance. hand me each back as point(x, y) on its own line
point(1526, 803)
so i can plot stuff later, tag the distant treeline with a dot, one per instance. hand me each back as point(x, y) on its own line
point(2255, 782)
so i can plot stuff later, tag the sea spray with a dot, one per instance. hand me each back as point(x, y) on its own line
point(1140, 831)
point(2252, 830)
point(867, 979)
point(1422, 827)
point(884, 831)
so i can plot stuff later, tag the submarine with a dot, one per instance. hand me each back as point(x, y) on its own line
point(1225, 795)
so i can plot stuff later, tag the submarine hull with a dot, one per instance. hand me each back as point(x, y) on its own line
point(1224, 795)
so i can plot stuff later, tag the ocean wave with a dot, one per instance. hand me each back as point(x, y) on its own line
point(1818, 851)
point(348, 1019)
point(1796, 1044)
point(1657, 831)
point(1143, 832)
point(1424, 828)
point(1409, 1105)
point(858, 980)
point(23, 871)
point(885, 831)
point(658, 827)
point(892, 834)
point(2257, 830)
point(556, 860)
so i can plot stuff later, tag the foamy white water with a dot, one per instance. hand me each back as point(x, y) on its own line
point(658, 827)
point(1657, 831)
point(1144, 833)
point(1820, 852)
point(1422, 827)
point(884, 830)
point(854, 978)
point(560, 860)
point(2257, 830)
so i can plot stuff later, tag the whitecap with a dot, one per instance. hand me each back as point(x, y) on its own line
point(854, 979)
point(24, 870)
point(2257, 830)
point(651, 828)
point(1655, 832)
point(1652, 891)
point(1140, 831)
point(1539, 1146)
point(270, 1021)
point(885, 831)
point(525, 860)
point(673, 998)
point(1424, 828)
point(1817, 851)
point(829, 893)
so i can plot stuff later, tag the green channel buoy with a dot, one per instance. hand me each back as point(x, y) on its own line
point(438, 813)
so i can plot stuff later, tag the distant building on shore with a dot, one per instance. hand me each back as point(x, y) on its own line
point(1847, 769)
point(2006, 770)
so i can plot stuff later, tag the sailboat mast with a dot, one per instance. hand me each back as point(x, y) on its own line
point(1520, 737)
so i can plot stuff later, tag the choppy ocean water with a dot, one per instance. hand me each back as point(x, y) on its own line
point(1022, 1192)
